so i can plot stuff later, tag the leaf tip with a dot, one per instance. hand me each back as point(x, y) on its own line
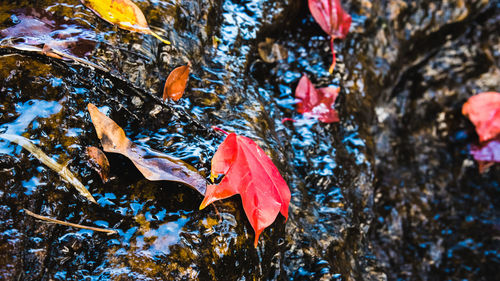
point(204, 204)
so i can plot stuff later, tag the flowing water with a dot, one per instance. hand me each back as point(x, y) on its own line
point(388, 193)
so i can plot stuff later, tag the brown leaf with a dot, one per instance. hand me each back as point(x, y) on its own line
point(270, 52)
point(154, 165)
point(176, 83)
point(99, 162)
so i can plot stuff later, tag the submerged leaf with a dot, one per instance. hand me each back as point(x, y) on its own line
point(317, 103)
point(48, 34)
point(99, 162)
point(176, 83)
point(483, 111)
point(251, 173)
point(123, 13)
point(270, 51)
point(332, 19)
point(487, 154)
point(155, 166)
point(40, 155)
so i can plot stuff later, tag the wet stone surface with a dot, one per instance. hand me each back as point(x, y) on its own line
point(389, 192)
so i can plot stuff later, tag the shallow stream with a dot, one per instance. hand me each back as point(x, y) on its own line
point(388, 193)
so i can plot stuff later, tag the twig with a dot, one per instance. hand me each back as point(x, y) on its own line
point(51, 220)
point(40, 155)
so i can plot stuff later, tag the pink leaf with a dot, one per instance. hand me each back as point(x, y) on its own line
point(487, 154)
point(316, 103)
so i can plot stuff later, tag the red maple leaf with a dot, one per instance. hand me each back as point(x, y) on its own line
point(317, 103)
point(332, 19)
point(251, 173)
point(483, 111)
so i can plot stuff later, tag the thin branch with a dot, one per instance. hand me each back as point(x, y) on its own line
point(51, 220)
point(51, 163)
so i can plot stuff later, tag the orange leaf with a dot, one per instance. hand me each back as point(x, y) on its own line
point(483, 111)
point(99, 162)
point(154, 165)
point(123, 13)
point(176, 83)
point(250, 173)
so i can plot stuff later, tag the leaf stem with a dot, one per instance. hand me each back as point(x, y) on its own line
point(334, 59)
point(287, 119)
point(159, 38)
point(220, 130)
point(51, 220)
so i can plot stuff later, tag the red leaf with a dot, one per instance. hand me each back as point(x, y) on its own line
point(251, 173)
point(332, 19)
point(487, 154)
point(317, 103)
point(176, 83)
point(483, 111)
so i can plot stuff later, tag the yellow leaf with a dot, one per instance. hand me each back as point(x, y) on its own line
point(123, 13)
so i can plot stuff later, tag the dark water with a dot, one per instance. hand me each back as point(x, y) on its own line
point(390, 192)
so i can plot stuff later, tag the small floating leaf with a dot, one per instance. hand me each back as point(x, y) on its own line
point(251, 173)
point(483, 111)
point(176, 83)
point(317, 103)
point(123, 13)
point(40, 155)
point(99, 162)
point(155, 166)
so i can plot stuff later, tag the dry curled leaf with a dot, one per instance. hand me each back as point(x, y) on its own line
point(62, 170)
point(123, 13)
point(99, 162)
point(251, 173)
point(154, 165)
point(176, 83)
